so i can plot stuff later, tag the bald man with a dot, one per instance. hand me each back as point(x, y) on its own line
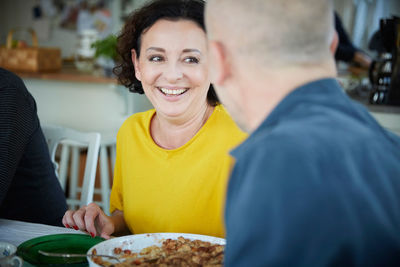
point(317, 183)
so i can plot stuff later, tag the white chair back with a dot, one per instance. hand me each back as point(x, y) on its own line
point(56, 135)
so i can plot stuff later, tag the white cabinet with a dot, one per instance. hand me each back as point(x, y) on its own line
point(84, 106)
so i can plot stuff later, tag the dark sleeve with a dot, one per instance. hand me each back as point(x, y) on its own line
point(345, 50)
point(275, 208)
point(17, 123)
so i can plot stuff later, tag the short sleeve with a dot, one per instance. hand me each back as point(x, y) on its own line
point(116, 200)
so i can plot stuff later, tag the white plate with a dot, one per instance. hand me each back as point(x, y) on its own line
point(136, 243)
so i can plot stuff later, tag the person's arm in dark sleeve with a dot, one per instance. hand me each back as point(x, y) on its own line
point(16, 126)
point(345, 50)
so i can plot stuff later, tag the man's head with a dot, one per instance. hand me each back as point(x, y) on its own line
point(251, 39)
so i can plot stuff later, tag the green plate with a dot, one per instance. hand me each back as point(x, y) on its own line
point(60, 243)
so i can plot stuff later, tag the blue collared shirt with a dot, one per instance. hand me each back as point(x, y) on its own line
point(316, 184)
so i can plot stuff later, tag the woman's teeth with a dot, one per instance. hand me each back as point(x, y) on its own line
point(173, 91)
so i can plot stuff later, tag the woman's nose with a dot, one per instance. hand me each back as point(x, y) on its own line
point(173, 72)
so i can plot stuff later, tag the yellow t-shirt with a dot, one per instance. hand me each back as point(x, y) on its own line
point(180, 190)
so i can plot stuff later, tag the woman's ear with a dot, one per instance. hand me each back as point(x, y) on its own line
point(220, 68)
point(135, 62)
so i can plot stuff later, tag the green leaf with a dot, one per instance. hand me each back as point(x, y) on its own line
point(106, 47)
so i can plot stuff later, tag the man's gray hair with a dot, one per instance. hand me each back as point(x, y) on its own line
point(274, 32)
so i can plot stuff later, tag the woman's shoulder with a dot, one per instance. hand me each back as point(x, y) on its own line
point(222, 117)
point(221, 111)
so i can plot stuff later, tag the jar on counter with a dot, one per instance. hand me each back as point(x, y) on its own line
point(84, 56)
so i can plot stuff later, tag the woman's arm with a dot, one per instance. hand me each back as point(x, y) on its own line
point(120, 227)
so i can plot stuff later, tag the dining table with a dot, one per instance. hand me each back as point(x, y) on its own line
point(17, 232)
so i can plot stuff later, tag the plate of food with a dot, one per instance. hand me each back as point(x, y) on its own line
point(168, 249)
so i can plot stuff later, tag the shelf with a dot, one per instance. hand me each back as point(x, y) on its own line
point(69, 73)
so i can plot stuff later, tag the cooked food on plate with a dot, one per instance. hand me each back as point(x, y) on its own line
point(173, 252)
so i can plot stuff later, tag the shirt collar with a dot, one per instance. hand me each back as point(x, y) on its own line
point(323, 92)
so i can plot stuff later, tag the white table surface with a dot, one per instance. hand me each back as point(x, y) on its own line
point(17, 232)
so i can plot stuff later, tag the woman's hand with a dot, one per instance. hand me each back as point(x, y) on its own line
point(90, 218)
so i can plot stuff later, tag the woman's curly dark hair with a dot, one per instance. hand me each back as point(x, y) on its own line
point(141, 20)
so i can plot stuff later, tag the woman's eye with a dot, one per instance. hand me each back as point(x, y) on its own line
point(156, 58)
point(191, 60)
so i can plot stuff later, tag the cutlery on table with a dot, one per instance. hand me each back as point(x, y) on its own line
point(74, 255)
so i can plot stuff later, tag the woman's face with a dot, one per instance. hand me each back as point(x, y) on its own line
point(173, 67)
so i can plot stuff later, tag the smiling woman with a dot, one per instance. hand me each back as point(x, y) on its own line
point(172, 161)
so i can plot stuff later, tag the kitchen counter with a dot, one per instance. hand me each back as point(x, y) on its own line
point(376, 108)
point(82, 101)
point(387, 116)
point(357, 86)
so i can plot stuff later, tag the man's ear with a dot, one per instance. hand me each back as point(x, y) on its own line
point(334, 43)
point(135, 62)
point(220, 69)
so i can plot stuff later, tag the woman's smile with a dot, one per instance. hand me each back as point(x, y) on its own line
point(171, 92)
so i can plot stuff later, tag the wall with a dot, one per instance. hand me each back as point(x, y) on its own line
point(18, 13)
point(84, 106)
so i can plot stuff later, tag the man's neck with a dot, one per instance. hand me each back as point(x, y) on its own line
point(266, 93)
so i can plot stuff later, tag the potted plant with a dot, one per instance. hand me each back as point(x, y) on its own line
point(106, 53)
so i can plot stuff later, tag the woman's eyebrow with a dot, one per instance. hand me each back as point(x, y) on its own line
point(186, 50)
point(190, 50)
point(158, 49)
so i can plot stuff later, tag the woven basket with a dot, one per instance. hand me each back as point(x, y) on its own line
point(29, 59)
